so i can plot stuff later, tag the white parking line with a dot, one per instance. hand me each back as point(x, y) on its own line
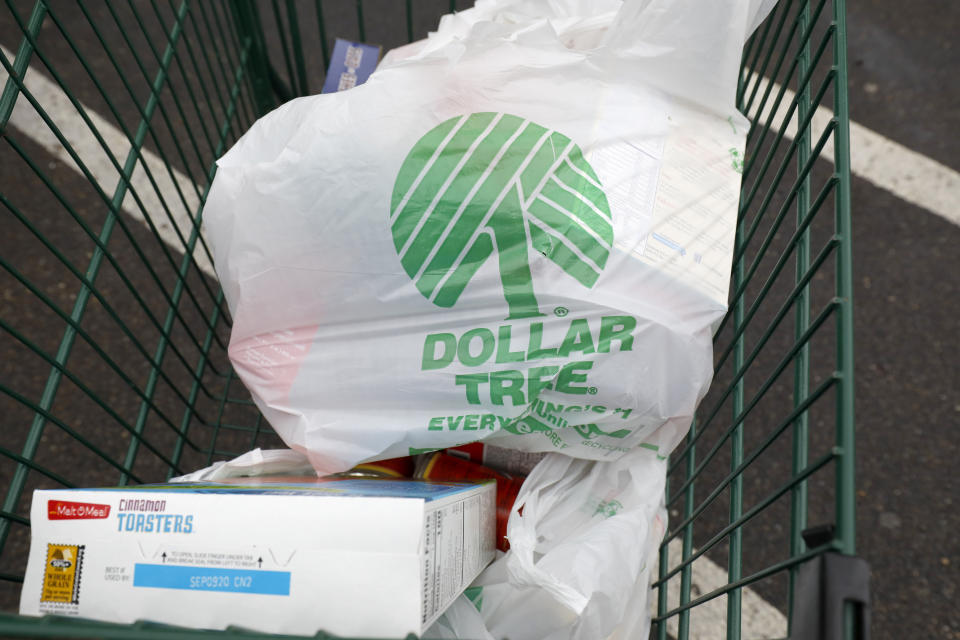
point(887, 164)
point(65, 116)
point(708, 621)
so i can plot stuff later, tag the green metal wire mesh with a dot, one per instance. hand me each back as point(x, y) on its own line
point(771, 449)
point(113, 329)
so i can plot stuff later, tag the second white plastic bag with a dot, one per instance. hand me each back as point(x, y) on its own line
point(580, 555)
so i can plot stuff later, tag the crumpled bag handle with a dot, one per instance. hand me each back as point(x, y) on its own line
point(688, 48)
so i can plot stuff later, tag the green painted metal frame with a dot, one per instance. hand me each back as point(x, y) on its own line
point(801, 37)
point(15, 88)
point(784, 46)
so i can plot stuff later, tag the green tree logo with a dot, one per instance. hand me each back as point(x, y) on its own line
point(496, 183)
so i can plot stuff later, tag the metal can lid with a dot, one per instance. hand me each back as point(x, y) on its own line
point(361, 473)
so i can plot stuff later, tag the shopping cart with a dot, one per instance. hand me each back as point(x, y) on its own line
point(113, 329)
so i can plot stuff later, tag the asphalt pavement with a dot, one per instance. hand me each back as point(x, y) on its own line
point(902, 63)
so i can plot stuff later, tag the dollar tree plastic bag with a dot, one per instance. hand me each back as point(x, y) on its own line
point(512, 235)
point(583, 541)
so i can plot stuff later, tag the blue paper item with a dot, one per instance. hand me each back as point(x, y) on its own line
point(351, 64)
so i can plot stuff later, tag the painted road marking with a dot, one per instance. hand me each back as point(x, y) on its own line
point(708, 621)
point(884, 163)
point(65, 116)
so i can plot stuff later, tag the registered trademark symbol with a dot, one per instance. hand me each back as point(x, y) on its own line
point(592, 391)
point(561, 311)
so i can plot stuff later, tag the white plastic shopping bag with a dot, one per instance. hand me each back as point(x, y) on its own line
point(255, 463)
point(580, 554)
point(521, 233)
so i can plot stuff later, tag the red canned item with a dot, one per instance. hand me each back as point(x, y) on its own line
point(443, 466)
point(392, 468)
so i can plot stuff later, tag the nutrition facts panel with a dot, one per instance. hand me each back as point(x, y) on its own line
point(453, 553)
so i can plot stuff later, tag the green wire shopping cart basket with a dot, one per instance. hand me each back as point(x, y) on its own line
point(113, 328)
